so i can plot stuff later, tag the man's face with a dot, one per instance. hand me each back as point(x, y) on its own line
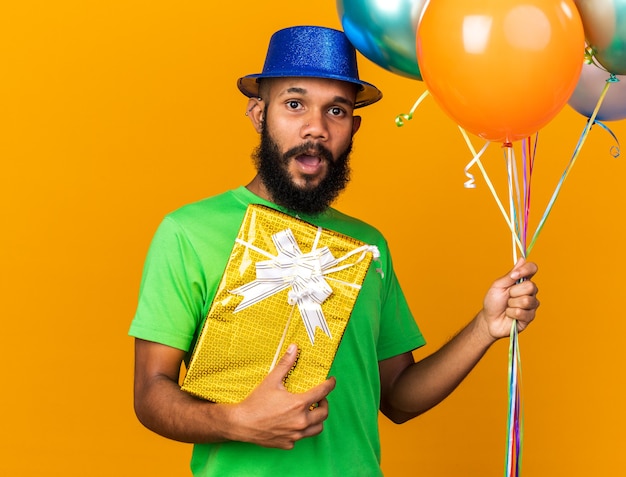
point(306, 137)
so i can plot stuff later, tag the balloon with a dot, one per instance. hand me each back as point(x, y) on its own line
point(384, 32)
point(502, 69)
point(604, 22)
point(588, 90)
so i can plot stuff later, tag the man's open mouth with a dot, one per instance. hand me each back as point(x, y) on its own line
point(309, 160)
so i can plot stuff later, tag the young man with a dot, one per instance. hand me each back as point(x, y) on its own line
point(303, 106)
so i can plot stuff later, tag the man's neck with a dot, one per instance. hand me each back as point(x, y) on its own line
point(257, 187)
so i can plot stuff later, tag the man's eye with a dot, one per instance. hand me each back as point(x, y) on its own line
point(336, 111)
point(293, 104)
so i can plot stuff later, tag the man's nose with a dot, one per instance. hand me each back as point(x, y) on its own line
point(314, 126)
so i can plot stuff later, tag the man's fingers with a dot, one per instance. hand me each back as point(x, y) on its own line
point(317, 396)
point(523, 269)
point(527, 287)
point(314, 398)
point(284, 365)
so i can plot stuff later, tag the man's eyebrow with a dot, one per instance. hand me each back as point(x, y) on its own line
point(342, 100)
point(295, 89)
point(336, 99)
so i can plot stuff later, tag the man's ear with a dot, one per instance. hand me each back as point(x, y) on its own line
point(255, 112)
point(356, 124)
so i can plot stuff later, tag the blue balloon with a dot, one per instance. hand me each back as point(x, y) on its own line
point(591, 83)
point(384, 32)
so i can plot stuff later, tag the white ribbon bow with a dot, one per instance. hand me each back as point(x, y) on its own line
point(302, 272)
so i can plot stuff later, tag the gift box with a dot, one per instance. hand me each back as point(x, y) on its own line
point(286, 281)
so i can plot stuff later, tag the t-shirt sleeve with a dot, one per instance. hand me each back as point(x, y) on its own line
point(172, 290)
point(399, 332)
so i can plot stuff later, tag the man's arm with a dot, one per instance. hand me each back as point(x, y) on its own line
point(409, 389)
point(270, 416)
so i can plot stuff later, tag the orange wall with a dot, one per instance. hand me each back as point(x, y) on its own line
point(115, 112)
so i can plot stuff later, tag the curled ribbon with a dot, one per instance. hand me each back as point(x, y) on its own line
point(615, 149)
point(471, 183)
point(303, 273)
point(400, 118)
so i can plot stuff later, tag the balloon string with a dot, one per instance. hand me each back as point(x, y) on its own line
point(525, 189)
point(514, 198)
point(572, 161)
point(491, 187)
point(589, 55)
point(515, 433)
point(529, 152)
point(515, 419)
point(400, 118)
point(470, 183)
point(615, 150)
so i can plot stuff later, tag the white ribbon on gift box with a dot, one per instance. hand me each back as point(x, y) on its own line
point(304, 273)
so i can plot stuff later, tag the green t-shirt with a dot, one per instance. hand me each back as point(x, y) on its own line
point(183, 269)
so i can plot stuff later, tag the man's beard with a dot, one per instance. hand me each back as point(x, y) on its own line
point(272, 168)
